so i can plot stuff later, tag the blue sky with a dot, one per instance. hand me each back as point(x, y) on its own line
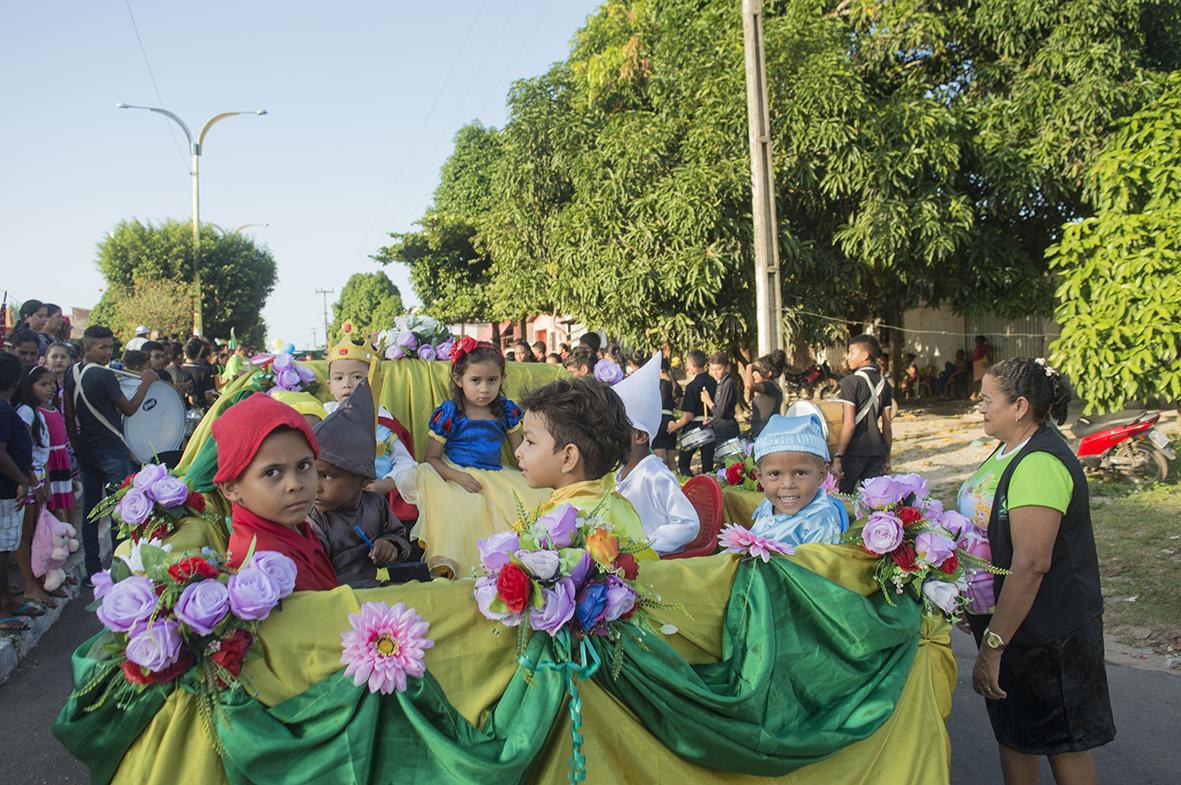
point(363, 101)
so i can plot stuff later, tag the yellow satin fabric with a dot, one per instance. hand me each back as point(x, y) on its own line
point(738, 505)
point(473, 659)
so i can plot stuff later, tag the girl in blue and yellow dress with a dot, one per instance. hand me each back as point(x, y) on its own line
point(463, 492)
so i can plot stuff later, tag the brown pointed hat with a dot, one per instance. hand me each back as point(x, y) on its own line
point(346, 436)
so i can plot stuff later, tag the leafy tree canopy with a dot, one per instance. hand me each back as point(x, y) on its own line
point(370, 301)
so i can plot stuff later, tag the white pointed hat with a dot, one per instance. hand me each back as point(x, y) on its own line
point(641, 397)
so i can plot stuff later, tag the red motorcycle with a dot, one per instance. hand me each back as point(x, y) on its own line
point(1126, 442)
point(813, 379)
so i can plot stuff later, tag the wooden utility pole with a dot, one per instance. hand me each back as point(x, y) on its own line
point(768, 295)
point(327, 337)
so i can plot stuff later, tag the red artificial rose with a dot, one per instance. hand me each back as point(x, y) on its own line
point(949, 564)
point(904, 556)
point(909, 515)
point(513, 587)
point(627, 563)
point(735, 473)
point(195, 501)
point(159, 533)
point(137, 675)
point(232, 650)
point(127, 480)
point(192, 567)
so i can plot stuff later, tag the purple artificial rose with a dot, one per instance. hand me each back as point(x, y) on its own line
point(911, 483)
point(203, 604)
point(556, 529)
point(282, 362)
point(305, 374)
point(156, 647)
point(942, 594)
point(406, 340)
point(129, 601)
point(443, 350)
point(882, 533)
point(556, 609)
point(134, 508)
point(933, 548)
point(287, 379)
point(608, 371)
point(149, 475)
point(485, 594)
point(426, 352)
point(394, 352)
point(542, 565)
point(279, 568)
point(581, 569)
point(955, 522)
point(102, 583)
point(495, 550)
point(621, 598)
point(169, 492)
point(878, 493)
point(252, 594)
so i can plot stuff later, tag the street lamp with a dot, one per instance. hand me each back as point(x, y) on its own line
point(195, 148)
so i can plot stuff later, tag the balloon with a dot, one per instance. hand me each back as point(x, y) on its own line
point(277, 344)
point(289, 348)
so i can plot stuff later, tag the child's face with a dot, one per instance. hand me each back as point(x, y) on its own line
point(337, 487)
point(718, 370)
point(57, 359)
point(542, 464)
point(344, 375)
point(480, 383)
point(790, 479)
point(45, 389)
point(26, 352)
point(856, 356)
point(280, 483)
point(156, 359)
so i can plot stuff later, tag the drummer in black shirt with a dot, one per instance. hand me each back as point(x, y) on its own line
point(201, 394)
point(721, 404)
point(694, 411)
point(94, 408)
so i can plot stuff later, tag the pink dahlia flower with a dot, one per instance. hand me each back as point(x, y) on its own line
point(384, 646)
point(736, 539)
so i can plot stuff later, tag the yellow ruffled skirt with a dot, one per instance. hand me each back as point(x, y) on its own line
point(451, 520)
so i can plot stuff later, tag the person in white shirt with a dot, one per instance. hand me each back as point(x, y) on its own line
point(668, 517)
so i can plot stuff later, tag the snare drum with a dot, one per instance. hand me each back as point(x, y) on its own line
point(698, 437)
point(158, 426)
point(736, 446)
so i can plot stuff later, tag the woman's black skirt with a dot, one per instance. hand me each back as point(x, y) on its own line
point(664, 440)
point(1057, 699)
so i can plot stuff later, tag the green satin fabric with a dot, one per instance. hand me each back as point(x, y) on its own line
point(808, 667)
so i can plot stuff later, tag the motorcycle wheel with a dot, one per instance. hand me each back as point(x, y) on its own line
point(1141, 461)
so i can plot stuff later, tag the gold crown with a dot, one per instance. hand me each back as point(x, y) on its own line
point(352, 346)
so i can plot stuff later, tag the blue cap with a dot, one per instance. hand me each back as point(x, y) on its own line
point(792, 434)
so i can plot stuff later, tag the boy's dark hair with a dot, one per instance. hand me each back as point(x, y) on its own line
point(696, 358)
point(134, 359)
point(96, 332)
point(772, 365)
point(719, 358)
point(151, 346)
point(24, 335)
point(589, 415)
point(581, 357)
point(10, 370)
point(30, 307)
point(178, 350)
point(483, 353)
point(981, 339)
point(1047, 391)
point(30, 375)
point(869, 343)
point(591, 341)
point(194, 349)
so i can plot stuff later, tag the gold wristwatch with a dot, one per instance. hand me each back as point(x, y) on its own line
point(994, 641)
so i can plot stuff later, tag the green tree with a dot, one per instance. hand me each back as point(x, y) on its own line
point(370, 301)
point(237, 276)
point(1120, 270)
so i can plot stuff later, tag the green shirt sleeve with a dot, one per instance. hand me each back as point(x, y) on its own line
point(1040, 480)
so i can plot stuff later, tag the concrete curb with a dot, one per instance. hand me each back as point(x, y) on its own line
point(14, 647)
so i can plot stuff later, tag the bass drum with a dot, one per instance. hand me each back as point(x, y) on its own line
point(157, 429)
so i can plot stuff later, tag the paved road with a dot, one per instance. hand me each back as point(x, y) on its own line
point(1147, 713)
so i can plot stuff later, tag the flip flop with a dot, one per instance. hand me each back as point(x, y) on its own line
point(28, 609)
point(58, 594)
point(6, 623)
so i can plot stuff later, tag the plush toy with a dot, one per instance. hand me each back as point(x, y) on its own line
point(53, 542)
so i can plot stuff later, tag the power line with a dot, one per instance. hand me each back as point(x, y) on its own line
point(426, 120)
point(921, 332)
point(528, 36)
point(155, 87)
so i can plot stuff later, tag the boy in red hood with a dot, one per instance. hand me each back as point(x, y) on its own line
point(266, 468)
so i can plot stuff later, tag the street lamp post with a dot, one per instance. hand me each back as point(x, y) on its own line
point(195, 149)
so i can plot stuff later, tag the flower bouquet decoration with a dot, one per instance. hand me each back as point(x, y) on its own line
point(280, 371)
point(417, 336)
point(150, 504)
point(167, 615)
point(915, 542)
point(740, 472)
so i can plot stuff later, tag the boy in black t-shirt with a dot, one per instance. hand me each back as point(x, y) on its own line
point(864, 449)
point(16, 477)
point(694, 408)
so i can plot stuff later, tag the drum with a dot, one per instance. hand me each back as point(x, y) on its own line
point(737, 446)
point(158, 426)
point(831, 414)
point(688, 441)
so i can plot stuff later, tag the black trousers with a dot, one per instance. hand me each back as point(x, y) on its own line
point(685, 457)
point(858, 468)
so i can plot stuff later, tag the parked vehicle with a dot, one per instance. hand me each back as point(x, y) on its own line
point(813, 379)
point(1126, 442)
